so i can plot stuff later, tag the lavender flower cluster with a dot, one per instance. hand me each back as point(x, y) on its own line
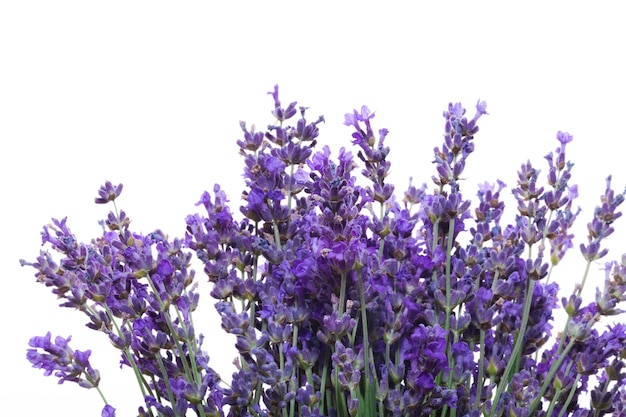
point(347, 301)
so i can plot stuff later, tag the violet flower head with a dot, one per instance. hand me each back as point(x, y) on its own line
point(279, 113)
point(450, 159)
point(108, 192)
point(481, 109)
point(564, 138)
point(252, 139)
point(108, 411)
point(601, 225)
point(67, 364)
point(355, 119)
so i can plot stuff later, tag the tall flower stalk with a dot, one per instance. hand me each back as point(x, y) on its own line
point(345, 300)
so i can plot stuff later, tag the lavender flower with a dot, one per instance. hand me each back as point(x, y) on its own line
point(344, 301)
point(67, 364)
point(108, 192)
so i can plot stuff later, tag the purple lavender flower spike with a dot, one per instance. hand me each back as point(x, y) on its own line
point(600, 227)
point(66, 363)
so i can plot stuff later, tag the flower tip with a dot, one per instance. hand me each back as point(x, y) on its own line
point(108, 192)
point(455, 110)
point(481, 107)
point(564, 137)
point(275, 95)
point(108, 411)
point(366, 114)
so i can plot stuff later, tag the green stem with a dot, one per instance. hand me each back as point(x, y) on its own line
point(366, 356)
point(191, 348)
point(481, 371)
point(557, 394)
point(569, 318)
point(570, 397)
point(340, 406)
point(294, 343)
point(277, 236)
point(101, 394)
point(170, 325)
point(166, 380)
point(370, 394)
point(555, 366)
point(447, 307)
point(143, 384)
point(255, 263)
point(323, 381)
point(517, 349)
point(281, 356)
point(342, 295)
point(448, 287)
point(495, 281)
point(582, 284)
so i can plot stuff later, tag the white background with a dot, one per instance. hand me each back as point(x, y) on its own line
point(151, 94)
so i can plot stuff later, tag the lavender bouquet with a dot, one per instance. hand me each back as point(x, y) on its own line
point(347, 301)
